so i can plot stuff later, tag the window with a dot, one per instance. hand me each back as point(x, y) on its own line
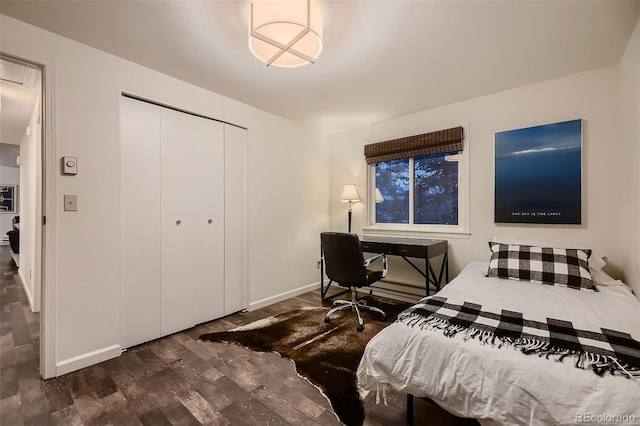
point(392, 179)
point(420, 193)
point(435, 189)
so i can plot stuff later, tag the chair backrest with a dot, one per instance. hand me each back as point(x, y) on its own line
point(343, 259)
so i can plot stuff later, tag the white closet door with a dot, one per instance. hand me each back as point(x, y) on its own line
point(140, 215)
point(235, 201)
point(192, 220)
point(209, 304)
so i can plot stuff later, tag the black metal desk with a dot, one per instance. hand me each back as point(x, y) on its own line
point(406, 248)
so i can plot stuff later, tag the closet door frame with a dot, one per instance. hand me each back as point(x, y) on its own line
point(236, 293)
point(235, 246)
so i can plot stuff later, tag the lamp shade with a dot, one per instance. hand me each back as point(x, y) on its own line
point(285, 33)
point(379, 198)
point(350, 194)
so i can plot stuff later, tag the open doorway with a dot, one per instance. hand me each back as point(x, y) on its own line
point(21, 177)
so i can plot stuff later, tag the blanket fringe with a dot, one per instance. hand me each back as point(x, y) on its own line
point(384, 387)
point(600, 364)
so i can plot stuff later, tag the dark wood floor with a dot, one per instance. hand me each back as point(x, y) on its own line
point(175, 380)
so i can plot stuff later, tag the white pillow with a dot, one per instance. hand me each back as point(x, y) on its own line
point(600, 277)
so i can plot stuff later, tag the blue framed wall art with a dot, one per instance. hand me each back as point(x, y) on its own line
point(8, 198)
point(538, 174)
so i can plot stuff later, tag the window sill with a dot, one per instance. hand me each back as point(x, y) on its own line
point(415, 231)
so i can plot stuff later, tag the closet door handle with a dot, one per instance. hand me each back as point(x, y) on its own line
point(210, 221)
point(178, 222)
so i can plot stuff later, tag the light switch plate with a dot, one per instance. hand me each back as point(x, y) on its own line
point(70, 203)
point(70, 165)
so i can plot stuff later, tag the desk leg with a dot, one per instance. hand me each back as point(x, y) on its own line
point(429, 273)
point(444, 270)
point(322, 292)
point(427, 267)
point(446, 261)
point(425, 274)
point(409, 409)
point(432, 277)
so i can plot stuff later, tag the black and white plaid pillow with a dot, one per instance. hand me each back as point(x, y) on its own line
point(555, 266)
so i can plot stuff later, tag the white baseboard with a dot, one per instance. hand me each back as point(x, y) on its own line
point(282, 296)
point(85, 360)
point(27, 290)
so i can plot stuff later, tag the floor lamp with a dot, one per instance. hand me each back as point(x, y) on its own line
point(350, 195)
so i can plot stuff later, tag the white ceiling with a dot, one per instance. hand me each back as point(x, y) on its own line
point(381, 59)
point(18, 95)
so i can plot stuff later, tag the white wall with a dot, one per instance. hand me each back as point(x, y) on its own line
point(30, 147)
point(629, 156)
point(591, 96)
point(288, 192)
point(287, 187)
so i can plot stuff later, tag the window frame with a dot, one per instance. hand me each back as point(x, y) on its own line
point(461, 230)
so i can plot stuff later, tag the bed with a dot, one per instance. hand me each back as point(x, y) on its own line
point(473, 374)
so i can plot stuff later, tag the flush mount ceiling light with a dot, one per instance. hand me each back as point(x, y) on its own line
point(285, 33)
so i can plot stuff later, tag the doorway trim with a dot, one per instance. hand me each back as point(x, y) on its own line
point(45, 238)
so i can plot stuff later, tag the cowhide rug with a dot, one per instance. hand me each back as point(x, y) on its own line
point(327, 355)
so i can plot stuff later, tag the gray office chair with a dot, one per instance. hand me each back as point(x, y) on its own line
point(345, 264)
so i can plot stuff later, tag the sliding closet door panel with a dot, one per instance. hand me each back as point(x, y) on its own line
point(209, 199)
point(192, 220)
point(140, 216)
point(235, 201)
point(180, 268)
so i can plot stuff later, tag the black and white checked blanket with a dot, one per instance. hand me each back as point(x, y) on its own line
point(600, 350)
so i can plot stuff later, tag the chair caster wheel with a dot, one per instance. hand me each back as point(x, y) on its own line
point(384, 318)
point(326, 320)
point(360, 328)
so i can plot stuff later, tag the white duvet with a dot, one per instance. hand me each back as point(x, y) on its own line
point(503, 386)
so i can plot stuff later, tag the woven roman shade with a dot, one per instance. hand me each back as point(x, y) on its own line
point(440, 142)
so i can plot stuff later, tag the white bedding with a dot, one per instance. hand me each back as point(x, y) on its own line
point(503, 386)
